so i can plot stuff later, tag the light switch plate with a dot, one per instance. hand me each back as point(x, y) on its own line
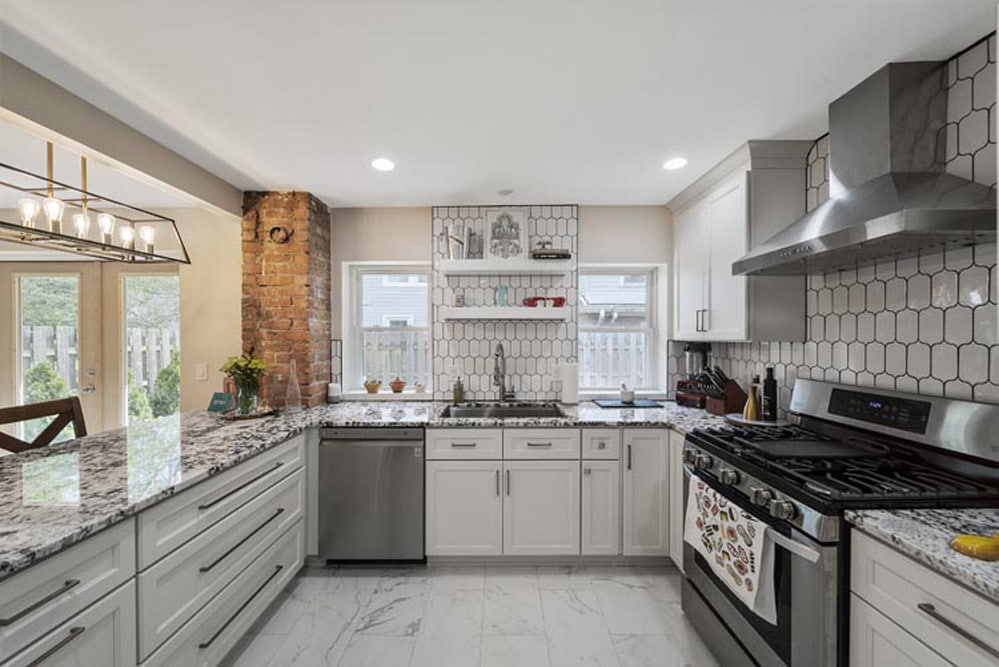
point(201, 371)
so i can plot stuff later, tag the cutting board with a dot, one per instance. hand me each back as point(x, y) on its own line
point(637, 403)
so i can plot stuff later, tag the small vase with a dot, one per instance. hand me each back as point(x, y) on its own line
point(246, 398)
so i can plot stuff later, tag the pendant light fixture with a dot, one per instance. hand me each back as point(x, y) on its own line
point(53, 207)
point(29, 209)
point(81, 220)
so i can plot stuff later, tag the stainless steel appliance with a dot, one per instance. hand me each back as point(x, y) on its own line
point(371, 494)
point(854, 448)
point(695, 358)
point(897, 198)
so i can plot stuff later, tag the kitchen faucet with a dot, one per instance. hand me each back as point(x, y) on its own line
point(499, 373)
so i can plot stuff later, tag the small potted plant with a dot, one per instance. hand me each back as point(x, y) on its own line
point(245, 371)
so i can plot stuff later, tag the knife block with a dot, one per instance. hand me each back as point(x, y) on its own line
point(734, 400)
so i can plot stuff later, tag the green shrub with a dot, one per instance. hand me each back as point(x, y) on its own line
point(43, 383)
point(166, 398)
point(138, 401)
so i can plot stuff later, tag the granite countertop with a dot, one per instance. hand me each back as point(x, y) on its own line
point(925, 534)
point(53, 497)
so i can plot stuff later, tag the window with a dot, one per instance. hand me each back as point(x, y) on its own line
point(387, 334)
point(152, 346)
point(617, 328)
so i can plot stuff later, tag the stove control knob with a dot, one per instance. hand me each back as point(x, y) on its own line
point(689, 455)
point(760, 496)
point(703, 461)
point(782, 509)
point(728, 477)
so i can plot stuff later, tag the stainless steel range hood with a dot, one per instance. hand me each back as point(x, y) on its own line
point(890, 193)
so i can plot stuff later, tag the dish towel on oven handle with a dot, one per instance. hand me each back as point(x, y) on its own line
point(735, 546)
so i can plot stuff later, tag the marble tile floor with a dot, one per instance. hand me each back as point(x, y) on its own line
point(490, 616)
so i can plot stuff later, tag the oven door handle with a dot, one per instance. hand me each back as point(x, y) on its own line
point(797, 548)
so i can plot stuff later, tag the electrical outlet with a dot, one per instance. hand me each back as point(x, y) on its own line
point(201, 371)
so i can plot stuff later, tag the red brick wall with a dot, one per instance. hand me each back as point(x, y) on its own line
point(286, 291)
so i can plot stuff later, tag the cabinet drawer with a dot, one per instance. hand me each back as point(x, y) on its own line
point(175, 588)
point(877, 641)
point(166, 526)
point(541, 443)
point(213, 631)
point(901, 588)
point(35, 601)
point(601, 443)
point(103, 634)
point(464, 443)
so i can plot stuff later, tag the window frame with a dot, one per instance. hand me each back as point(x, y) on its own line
point(657, 328)
point(353, 329)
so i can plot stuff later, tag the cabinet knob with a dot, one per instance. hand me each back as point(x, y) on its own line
point(586, 471)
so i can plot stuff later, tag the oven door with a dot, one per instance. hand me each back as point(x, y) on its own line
point(807, 576)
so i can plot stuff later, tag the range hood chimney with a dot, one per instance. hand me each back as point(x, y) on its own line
point(890, 195)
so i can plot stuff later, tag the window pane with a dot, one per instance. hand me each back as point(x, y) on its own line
point(152, 346)
point(387, 296)
point(607, 359)
point(617, 301)
point(388, 354)
point(394, 340)
point(49, 367)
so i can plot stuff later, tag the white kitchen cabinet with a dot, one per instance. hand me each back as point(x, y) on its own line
point(745, 199)
point(601, 508)
point(541, 443)
point(602, 443)
point(646, 492)
point(676, 498)
point(464, 443)
point(464, 508)
point(541, 508)
point(876, 641)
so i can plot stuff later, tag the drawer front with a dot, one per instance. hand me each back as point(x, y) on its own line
point(171, 523)
point(877, 641)
point(940, 612)
point(35, 601)
point(541, 443)
point(103, 634)
point(176, 587)
point(211, 634)
point(601, 443)
point(464, 443)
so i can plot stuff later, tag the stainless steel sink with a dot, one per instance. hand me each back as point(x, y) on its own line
point(500, 411)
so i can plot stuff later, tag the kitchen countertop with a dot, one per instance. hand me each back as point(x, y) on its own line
point(925, 534)
point(56, 496)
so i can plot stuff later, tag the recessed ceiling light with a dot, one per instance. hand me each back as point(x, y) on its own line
point(383, 164)
point(675, 163)
point(505, 192)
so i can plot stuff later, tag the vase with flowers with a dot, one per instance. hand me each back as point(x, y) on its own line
point(245, 372)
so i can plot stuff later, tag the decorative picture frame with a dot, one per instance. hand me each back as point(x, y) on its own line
point(506, 234)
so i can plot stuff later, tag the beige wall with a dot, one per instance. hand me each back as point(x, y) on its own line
point(633, 234)
point(375, 235)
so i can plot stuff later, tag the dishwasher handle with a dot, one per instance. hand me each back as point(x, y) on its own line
point(374, 433)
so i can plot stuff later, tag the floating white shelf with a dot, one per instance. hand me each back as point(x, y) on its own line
point(503, 313)
point(506, 267)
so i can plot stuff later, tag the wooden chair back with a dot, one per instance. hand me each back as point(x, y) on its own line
point(66, 411)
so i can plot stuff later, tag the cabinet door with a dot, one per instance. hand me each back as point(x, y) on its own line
point(541, 508)
point(676, 498)
point(464, 508)
point(727, 295)
point(876, 641)
point(646, 497)
point(601, 508)
point(690, 270)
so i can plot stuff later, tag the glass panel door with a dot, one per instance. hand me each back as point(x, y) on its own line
point(48, 343)
point(152, 346)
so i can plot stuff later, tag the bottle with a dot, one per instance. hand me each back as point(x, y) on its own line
point(293, 393)
point(458, 391)
point(769, 396)
point(751, 412)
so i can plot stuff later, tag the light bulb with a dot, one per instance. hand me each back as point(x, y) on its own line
point(53, 211)
point(29, 211)
point(148, 235)
point(127, 235)
point(106, 222)
point(82, 223)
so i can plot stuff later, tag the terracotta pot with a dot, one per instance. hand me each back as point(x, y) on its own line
point(397, 385)
point(373, 386)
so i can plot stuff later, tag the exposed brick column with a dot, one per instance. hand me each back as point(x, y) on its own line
point(286, 291)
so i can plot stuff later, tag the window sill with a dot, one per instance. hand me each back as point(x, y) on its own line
point(361, 395)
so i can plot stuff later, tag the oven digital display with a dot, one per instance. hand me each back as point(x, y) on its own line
point(902, 413)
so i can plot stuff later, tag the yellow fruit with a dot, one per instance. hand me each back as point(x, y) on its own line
point(981, 547)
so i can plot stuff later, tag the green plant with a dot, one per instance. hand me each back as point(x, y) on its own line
point(43, 383)
point(138, 402)
point(245, 370)
point(166, 397)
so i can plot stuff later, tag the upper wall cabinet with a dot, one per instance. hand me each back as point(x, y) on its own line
point(748, 197)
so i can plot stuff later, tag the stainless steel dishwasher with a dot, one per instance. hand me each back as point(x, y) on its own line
point(371, 494)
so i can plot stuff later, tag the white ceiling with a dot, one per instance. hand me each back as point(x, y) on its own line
point(562, 101)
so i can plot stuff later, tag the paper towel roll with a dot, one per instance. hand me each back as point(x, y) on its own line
point(569, 375)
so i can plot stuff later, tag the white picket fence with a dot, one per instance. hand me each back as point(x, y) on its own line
point(388, 354)
point(608, 359)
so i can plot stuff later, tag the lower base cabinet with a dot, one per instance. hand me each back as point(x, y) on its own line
point(601, 508)
point(464, 506)
point(646, 492)
point(877, 641)
point(676, 518)
point(541, 508)
point(102, 634)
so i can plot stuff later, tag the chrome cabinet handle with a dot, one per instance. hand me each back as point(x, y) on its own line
point(704, 320)
point(497, 483)
point(932, 612)
point(74, 632)
point(508, 482)
point(240, 487)
point(463, 444)
point(602, 444)
point(628, 466)
point(243, 606)
point(586, 471)
point(539, 444)
point(66, 587)
point(210, 566)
